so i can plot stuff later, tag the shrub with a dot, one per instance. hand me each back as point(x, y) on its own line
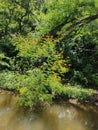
point(33, 87)
point(5, 62)
point(76, 92)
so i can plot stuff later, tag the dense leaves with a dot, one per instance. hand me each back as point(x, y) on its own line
point(48, 47)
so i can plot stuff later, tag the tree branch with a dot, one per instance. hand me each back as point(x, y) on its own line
point(82, 22)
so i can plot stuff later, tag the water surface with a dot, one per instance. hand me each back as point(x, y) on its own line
point(64, 116)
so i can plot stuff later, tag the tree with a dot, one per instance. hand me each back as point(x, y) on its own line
point(17, 16)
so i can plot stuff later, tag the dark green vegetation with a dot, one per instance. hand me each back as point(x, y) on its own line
point(49, 48)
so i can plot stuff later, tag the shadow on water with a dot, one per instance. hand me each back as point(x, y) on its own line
point(64, 116)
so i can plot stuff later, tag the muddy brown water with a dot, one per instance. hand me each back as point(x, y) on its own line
point(64, 116)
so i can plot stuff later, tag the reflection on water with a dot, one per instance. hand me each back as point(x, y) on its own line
point(56, 117)
point(69, 117)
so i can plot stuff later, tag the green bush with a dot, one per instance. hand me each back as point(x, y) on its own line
point(39, 52)
point(95, 78)
point(79, 93)
point(5, 62)
point(37, 87)
point(34, 87)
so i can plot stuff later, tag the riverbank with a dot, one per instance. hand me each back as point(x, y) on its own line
point(83, 106)
point(75, 102)
point(7, 91)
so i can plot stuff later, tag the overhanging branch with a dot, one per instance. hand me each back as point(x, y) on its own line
point(82, 22)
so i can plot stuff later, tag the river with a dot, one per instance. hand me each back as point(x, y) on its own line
point(64, 116)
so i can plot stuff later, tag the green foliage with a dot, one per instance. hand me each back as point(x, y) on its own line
point(66, 13)
point(18, 16)
point(8, 80)
point(33, 88)
point(6, 47)
point(79, 93)
point(95, 78)
point(4, 62)
point(46, 44)
point(83, 54)
point(37, 87)
point(41, 53)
